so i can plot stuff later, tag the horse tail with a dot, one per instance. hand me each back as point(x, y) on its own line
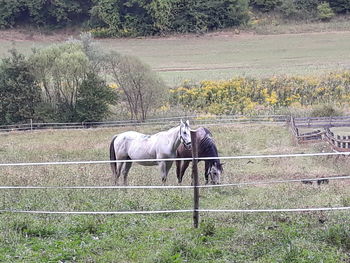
point(112, 156)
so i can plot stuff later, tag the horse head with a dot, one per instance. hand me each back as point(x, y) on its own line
point(185, 135)
point(215, 172)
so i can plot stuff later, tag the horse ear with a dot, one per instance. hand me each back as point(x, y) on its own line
point(181, 122)
point(188, 123)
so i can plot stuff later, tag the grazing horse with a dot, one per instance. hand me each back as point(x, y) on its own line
point(206, 148)
point(133, 145)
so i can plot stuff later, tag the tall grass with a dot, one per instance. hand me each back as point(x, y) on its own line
point(278, 237)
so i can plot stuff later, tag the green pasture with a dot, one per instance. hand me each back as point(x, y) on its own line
point(221, 237)
point(224, 55)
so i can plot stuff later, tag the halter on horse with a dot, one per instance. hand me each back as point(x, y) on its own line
point(133, 145)
point(206, 148)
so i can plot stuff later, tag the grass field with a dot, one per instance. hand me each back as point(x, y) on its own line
point(220, 55)
point(222, 237)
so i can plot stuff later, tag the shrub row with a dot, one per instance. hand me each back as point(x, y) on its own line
point(66, 82)
point(248, 95)
point(149, 17)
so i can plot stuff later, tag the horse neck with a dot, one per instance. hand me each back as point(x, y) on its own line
point(208, 149)
point(207, 146)
point(174, 134)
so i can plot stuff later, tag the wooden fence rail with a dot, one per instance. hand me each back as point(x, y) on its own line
point(338, 143)
point(195, 120)
point(322, 122)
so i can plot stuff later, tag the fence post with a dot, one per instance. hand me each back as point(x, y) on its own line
point(344, 143)
point(195, 179)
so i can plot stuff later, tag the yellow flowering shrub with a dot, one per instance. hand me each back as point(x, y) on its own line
point(244, 95)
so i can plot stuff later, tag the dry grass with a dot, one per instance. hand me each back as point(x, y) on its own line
point(221, 238)
point(92, 144)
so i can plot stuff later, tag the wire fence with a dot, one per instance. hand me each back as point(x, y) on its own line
point(343, 177)
point(319, 180)
point(182, 159)
point(179, 211)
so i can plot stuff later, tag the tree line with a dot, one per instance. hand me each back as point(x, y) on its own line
point(67, 82)
point(107, 18)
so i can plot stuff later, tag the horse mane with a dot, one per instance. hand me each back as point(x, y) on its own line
point(207, 147)
point(207, 132)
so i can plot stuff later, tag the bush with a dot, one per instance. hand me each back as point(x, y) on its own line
point(45, 112)
point(299, 9)
point(325, 111)
point(289, 9)
point(265, 5)
point(324, 11)
point(57, 13)
point(340, 6)
point(93, 99)
point(139, 17)
point(60, 70)
point(19, 91)
point(143, 89)
point(9, 11)
point(247, 95)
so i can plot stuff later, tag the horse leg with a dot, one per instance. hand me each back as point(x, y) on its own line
point(126, 169)
point(184, 166)
point(164, 169)
point(178, 167)
point(117, 173)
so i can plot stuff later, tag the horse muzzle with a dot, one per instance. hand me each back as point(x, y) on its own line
point(186, 144)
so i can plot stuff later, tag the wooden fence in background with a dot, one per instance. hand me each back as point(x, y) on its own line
point(338, 143)
point(194, 120)
point(322, 122)
point(321, 126)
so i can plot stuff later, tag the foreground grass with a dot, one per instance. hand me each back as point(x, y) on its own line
point(222, 237)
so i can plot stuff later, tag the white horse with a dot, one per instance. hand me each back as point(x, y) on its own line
point(133, 145)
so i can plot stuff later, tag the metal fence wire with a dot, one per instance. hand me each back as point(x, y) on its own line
point(196, 210)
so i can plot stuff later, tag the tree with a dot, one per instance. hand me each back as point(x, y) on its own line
point(142, 88)
point(325, 12)
point(340, 6)
point(68, 74)
point(9, 11)
point(93, 99)
point(19, 91)
point(265, 5)
point(60, 70)
point(58, 13)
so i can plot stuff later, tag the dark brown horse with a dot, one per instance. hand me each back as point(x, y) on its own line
point(206, 148)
